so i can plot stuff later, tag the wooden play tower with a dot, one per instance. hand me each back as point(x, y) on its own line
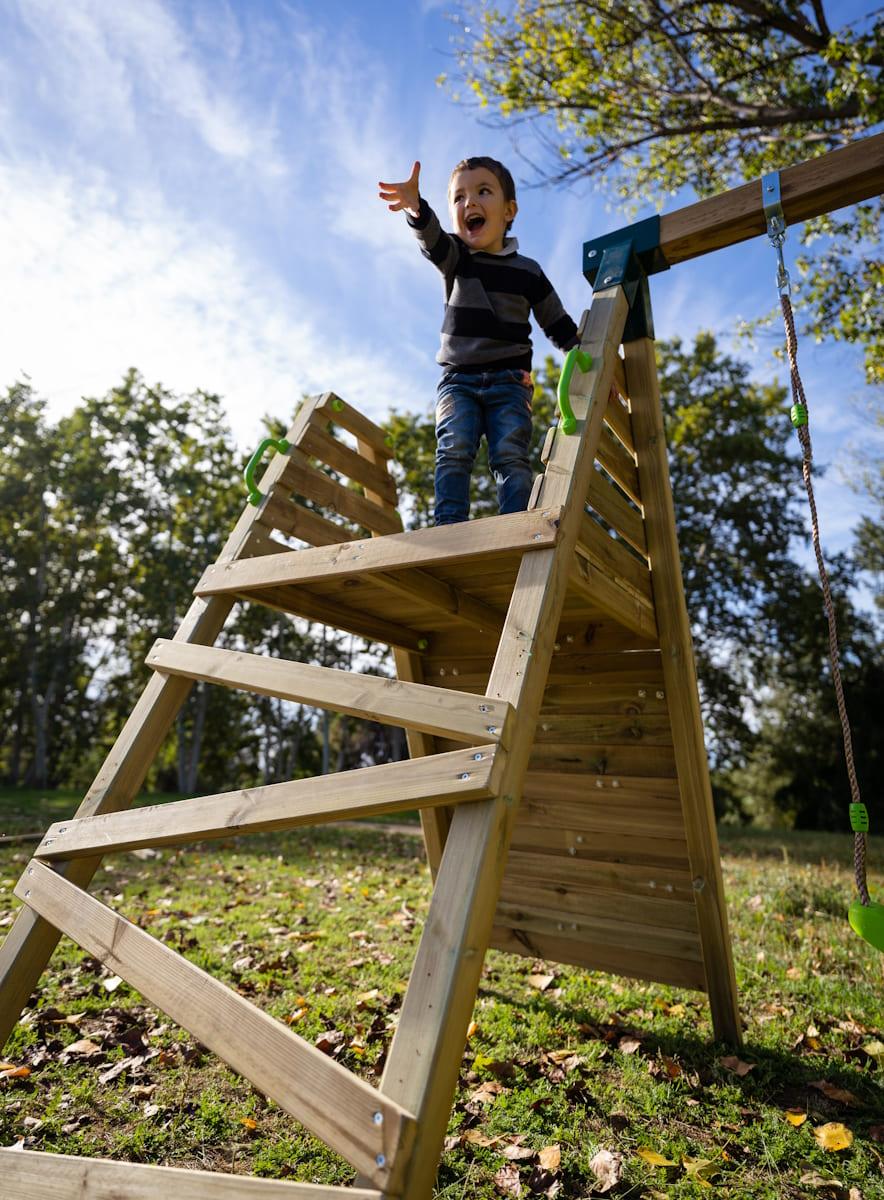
point(547, 685)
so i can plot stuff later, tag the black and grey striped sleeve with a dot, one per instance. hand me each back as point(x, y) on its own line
point(550, 314)
point(438, 246)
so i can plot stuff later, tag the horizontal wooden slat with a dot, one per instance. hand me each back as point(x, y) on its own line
point(33, 1175)
point(305, 480)
point(618, 420)
point(339, 412)
point(630, 847)
point(601, 931)
point(378, 698)
point(416, 548)
point(635, 730)
point(613, 597)
point(443, 597)
point(600, 699)
point(620, 465)
point(299, 602)
point(614, 508)
point(331, 1102)
point(437, 779)
point(807, 189)
point(295, 520)
point(624, 566)
point(606, 759)
point(319, 444)
point(659, 968)
point(576, 898)
point(621, 878)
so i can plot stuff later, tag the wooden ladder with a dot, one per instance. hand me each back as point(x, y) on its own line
point(477, 615)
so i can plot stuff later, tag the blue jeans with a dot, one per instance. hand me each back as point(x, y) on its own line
point(498, 404)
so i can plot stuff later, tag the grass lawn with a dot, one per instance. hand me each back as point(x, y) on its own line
point(565, 1075)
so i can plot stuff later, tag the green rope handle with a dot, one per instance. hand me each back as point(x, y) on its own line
point(279, 444)
point(574, 357)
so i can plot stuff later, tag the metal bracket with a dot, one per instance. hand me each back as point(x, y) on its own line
point(626, 258)
point(776, 226)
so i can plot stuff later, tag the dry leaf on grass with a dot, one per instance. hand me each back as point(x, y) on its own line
point(607, 1167)
point(834, 1093)
point(550, 1157)
point(541, 982)
point(796, 1116)
point(740, 1068)
point(507, 1181)
point(654, 1159)
point(833, 1136)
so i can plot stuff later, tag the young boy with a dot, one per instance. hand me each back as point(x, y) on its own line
point(490, 289)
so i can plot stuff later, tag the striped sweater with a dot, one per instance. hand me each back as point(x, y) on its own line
point(488, 300)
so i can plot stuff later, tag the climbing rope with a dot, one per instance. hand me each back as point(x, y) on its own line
point(799, 417)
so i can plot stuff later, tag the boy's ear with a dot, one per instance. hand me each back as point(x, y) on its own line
point(511, 209)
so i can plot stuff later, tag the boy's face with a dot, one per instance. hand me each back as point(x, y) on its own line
point(479, 212)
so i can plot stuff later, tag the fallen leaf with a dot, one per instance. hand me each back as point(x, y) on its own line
point(653, 1159)
point(550, 1157)
point(507, 1181)
point(834, 1187)
point(474, 1137)
point(796, 1116)
point(876, 1133)
point(472, 1029)
point(517, 1153)
point(111, 983)
point(485, 1093)
point(875, 1050)
point(15, 1073)
point(540, 982)
point(628, 1045)
point(248, 1122)
point(607, 1167)
point(740, 1068)
point(833, 1092)
point(84, 1048)
point(833, 1136)
point(700, 1169)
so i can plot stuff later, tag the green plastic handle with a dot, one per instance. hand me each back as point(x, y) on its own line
point(574, 357)
point(254, 462)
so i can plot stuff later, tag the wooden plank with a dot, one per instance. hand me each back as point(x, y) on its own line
point(576, 899)
point(35, 1175)
point(659, 968)
point(617, 418)
point(434, 593)
point(620, 381)
point(808, 189)
point(613, 596)
point(31, 940)
point(635, 730)
point(463, 775)
point(299, 602)
point(622, 846)
point(425, 1055)
point(681, 683)
point(319, 444)
point(595, 699)
point(305, 480)
point(327, 1099)
point(620, 465)
point(377, 698)
point(633, 937)
point(339, 412)
point(295, 520)
point(622, 565)
point(605, 759)
point(628, 879)
point(416, 548)
point(613, 506)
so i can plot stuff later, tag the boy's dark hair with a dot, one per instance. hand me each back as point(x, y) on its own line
point(496, 168)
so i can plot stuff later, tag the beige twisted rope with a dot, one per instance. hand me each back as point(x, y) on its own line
point(803, 430)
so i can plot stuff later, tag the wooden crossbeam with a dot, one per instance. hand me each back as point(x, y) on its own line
point(372, 442)
point(331, 1102)
point(41, 1176)
point(618, 561)
point(452, 778)
point(417, 548)
point(458, 715)
point(808, 189)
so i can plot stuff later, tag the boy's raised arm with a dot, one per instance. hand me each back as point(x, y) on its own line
point(405, 195)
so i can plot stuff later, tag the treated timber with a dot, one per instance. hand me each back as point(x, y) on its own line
point(677, 659)
point(372, 443)
point(419, 547)
point(613, 597)
point(620, 563)
point(412, 705)
point(617, 418)
point(620, 465)
point(374, 477)
point(307, 481)
point(41, 1176)
point(808, 189)
point(425, 1055)
point(463, 775)
point(614, 508)
point(29, 943)
point(326, 1098)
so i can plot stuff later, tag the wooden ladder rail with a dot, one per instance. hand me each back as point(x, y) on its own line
point(427, 1048)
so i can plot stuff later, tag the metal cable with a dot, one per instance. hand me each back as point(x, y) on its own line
point(803, 430)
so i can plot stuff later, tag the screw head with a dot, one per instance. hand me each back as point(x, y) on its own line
point(377, 1118)
point(592, 254)
point(380, 1160)
point(608, 278)
point(465, 775)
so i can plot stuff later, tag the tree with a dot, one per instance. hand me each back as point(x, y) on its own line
point(651, 96)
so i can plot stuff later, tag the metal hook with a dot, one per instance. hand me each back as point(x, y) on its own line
point(776, 226)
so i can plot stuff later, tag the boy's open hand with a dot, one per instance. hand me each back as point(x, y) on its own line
point(403, 195)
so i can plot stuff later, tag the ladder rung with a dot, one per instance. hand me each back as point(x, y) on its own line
point(451, 778)
point(330, 1101)
point(615, 558)
point(35, 1175)
point(535, 530)
point(458, 715)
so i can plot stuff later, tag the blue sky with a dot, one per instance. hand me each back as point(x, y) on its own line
point(189, 187)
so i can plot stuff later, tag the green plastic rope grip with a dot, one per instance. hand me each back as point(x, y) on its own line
point(278, 444)
point(798, 415)
point(859, 818)
point(574, 357)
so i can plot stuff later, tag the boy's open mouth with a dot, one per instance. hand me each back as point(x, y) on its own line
point(475, 222)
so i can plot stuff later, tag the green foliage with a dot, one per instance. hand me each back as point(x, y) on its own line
point(648, 98)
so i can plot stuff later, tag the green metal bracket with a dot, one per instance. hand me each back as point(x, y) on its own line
point(626, 258)
point(574, 357)
point(278, 444)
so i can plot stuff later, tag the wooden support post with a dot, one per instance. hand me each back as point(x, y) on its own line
point(680, 680)
point(427, 1049)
